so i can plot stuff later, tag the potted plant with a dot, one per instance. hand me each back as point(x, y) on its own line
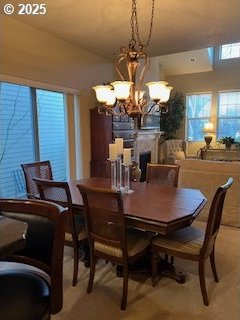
point(171, 121)
point(228, 141)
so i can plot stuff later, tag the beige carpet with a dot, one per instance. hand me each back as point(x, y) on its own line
point(168, 300)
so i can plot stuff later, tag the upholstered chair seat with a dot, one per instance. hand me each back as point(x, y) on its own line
point(23, 295)
point(188, 240)
point(136, 243)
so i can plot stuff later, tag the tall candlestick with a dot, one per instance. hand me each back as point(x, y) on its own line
point(127, 156)
point(119, 172)
point(119, 144)
point(126, 188)
point(113, 175)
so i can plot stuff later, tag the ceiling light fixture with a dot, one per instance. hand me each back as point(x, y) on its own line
point(126, 97)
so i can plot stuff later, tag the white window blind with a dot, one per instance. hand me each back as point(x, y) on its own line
point(50, 106)
point(29, 132)
point(16, 135)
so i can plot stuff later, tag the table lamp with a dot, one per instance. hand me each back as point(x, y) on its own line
point(208, 129)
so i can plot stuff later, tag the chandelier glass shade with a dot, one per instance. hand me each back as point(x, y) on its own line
point(126, 95)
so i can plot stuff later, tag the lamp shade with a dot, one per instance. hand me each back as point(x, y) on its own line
point(208, 127)
point(166, 94)
point(157, 90)
point(111, 99)
point(121, 89)
point(102, 92)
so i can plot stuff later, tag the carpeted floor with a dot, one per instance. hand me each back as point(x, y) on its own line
point(168, 300)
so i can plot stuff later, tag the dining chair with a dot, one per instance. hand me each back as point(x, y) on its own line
point(59, 192)
point(164, 174)
point(41, 169)
point(31, 288)
point(108, 237)
point(192, 243)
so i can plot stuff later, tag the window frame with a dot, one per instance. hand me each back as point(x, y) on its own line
point(221, 50)
point(199, 118)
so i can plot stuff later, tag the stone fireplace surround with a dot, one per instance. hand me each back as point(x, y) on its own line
point(146, 140)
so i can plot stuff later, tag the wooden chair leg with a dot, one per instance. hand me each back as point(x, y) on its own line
point(213, 265)
point(92, 272)
point(125, 287)
point(201, 271)
point(75, 262)
point(154, 266)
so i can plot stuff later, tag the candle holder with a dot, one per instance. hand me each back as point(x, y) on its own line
point(113, 174)
point(126, 188)
point(119, 172)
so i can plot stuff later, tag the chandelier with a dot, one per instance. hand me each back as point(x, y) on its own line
point(126, 96)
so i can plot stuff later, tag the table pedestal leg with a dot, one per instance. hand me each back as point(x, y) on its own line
point(165, 268)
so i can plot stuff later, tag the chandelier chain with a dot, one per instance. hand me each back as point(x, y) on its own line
point(135, 26)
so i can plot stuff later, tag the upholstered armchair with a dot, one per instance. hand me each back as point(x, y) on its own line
point(173, 150)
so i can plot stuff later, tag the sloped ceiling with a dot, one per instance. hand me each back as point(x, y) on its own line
point(103, 26)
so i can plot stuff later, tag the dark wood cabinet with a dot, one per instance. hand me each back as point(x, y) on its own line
point(104, 130)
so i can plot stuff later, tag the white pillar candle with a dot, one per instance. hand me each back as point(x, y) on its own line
point(112, 151)
point(127, 157)
point(119, 144)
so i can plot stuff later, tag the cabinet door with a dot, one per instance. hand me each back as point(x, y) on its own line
point(101, 135)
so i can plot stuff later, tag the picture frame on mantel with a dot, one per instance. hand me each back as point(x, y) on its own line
point(150, 121)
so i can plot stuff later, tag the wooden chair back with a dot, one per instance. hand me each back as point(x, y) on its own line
point(164, 174)
point(214, 218)
point(41, 170)
point(104, 218)
point(44, 240)
point(57, 192)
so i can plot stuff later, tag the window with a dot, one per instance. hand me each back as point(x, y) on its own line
point(229, 51)
point(31, 129)
point(229, 114)
point(198, 108)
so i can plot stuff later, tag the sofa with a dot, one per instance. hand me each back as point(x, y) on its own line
point(206, 176)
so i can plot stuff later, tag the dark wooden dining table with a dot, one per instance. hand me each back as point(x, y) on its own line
point(152, 207)
point(12, 235)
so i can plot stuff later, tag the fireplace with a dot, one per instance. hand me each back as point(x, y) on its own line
point(144, 159)
point(146, 141)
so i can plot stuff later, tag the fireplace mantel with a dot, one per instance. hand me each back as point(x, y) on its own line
point(146, 140)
